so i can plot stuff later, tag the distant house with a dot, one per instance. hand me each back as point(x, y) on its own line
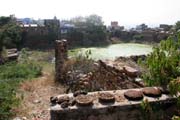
point(22, 21)
point(165, 27)
point(141, 27)
point(65, 27)
point(52, 22)
point(115, 26)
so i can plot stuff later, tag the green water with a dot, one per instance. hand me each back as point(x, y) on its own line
point(114, 50)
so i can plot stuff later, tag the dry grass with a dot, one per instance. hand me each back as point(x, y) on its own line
point(35, 93)
point(35, 96)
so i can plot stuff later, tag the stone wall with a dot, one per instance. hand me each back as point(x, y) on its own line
point(61, 55)
point(120, 109)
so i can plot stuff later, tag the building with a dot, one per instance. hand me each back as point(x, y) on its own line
point(115, 26)
point(66, 26)
point(165, 27)
point(141, 27)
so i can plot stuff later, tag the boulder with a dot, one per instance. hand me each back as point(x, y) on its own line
point(164, 90)
point(106, 97)
point(133, 95)
point(79, 92)
point(131, 72)
point(152, 91)
point(63, 99)
point(84, 100)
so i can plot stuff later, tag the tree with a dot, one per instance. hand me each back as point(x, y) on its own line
point(91, 29)
point(10, 34)
point(4, 20)
point(94, 20)
point(78, 21)
point(177, 26)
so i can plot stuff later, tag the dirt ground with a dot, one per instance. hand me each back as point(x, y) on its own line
point(35, 95)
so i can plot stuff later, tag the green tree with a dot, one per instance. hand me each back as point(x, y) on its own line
point(4, 20)
point(10, 34)
point(91, 30)
point(94, 20)
point(177, 26)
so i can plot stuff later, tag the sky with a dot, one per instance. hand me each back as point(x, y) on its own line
point(126, 12)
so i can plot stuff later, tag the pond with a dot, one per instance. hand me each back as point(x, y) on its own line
point(113, 51)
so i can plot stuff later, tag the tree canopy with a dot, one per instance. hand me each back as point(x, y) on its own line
point(91, 20)
point(89, 30)
point(177, 26)
point(10, 33)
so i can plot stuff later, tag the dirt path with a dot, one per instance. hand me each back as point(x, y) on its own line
point(35, 95)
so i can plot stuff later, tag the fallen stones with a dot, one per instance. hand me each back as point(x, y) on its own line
point(79, 92)
point(133, 95)
point(131, 72)
point(72, 102)
point(164, 90)
point(84, 100)
point(151, 92)
point(65, 104)
point(63, 99)
point(53, 100)
point(106, 97)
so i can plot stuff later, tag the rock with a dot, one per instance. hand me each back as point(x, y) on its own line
point(53, 100)
point(63, 99)
point(72, 102)
point(133, 95)
point(65, 104)
point(36, 101)
point(24, 118)
point(84, 100)
point(151, 91)
point(106, 97)
point(131, 72)
point(79, 92)
point(86, 84)
point(164, 90)
point(17, 118)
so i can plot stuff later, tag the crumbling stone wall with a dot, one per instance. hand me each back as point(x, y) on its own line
point(61, 55)
point(121, 109)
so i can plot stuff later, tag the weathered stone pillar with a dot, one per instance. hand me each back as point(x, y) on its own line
point(61, 56)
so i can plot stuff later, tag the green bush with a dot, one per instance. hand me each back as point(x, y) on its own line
point(11, 74)
point(163, 67)
point(138, 37)
point(163, 63)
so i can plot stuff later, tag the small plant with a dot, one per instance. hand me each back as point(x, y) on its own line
point(163, 63)
point(10, 76)
point(75, 68)
point(146, 110)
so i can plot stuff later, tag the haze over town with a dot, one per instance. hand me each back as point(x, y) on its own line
point(127, 12)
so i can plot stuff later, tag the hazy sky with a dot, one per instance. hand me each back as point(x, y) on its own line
point(126, 12)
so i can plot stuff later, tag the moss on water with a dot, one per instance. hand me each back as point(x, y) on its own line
point(113, 51)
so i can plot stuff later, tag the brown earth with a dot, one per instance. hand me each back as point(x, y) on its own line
point(35, 95)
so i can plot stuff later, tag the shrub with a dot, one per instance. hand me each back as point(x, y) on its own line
point(76, 66)
point(138, 37)
point(10, 76)
point(163, 63)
